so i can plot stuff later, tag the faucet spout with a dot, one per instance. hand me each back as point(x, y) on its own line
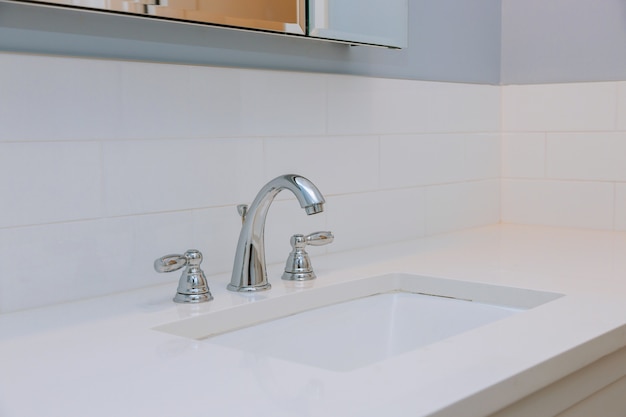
point(249, 269)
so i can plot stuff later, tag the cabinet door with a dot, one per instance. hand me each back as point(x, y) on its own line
point(376, 22)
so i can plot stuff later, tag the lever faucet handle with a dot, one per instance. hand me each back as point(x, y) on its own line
point(192, 286)
point(298, 266)
point(314, 239)
point(319, 238)
point(169, 263)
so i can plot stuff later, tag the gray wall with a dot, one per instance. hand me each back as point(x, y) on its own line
point(449, 40)
point(563, 41)
point(478, 41)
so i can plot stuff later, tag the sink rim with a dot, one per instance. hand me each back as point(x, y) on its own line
point(303, 299)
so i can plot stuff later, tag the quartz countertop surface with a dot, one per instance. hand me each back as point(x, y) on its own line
point(103, 357)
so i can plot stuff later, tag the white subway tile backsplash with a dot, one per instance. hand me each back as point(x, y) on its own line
point(382, 106)
point(524, 155)
point(455, 107)
point(559, 107)
point(276, 103)
point(174, 101)
point(336, 165)
point(620, 206)
point(558, 203)
point(621, 106)
point(111, 164)
point(213, 104)
point(88, 258)
point(482, 156)
point(360, 220)
point(360, 105)
point(152, 176)
point(62, 262)
point(587, 156)
point(462, 205)
point(44, 98)
point(158, 155)
point(49, 182)
point(412, 160)
point(215, 233)
point(164, 101)
point(51, 98)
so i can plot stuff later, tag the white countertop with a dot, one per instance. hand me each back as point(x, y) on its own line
point(101, 357)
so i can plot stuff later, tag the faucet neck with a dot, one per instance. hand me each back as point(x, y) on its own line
point(249, 269)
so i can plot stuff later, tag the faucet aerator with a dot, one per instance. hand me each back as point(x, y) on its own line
point(314, 208)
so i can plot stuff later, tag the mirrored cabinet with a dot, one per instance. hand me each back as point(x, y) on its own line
point(372, 22)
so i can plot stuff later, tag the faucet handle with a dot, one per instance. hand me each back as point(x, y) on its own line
point(192, 286)
point(298, 266)
point(169, 263)
point(319, 238)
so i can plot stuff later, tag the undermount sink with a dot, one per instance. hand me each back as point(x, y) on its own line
point(356, 333)
point(358, 323)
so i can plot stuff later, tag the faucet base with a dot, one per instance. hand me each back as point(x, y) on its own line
point(192, 298)
point(251, 288)
point(298, 276)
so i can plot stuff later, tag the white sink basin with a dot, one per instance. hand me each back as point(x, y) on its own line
point(354, 324)
point(356, 333)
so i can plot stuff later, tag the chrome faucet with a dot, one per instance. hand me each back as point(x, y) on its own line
point(249, 270)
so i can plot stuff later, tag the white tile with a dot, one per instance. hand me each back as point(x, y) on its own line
point(462, 205)
point(61, 262)
point(386, 106)
point(215, 234)
point(70, 261)
point(157, 100)
point(620, 206)
point(173, 101)
point(150, 237)
point(587, 156)
point(50, 98)
point(49, 181)
point(411, 160)
point(361, 220)
point(558, 203)
point(458, 107)
point(151, 176)
point(523, 155)
point(621, 107)
point(213, 103)
point(336, 165)
point(362, 105)
point(282, 103)
point(482, 156)
point(559, 107)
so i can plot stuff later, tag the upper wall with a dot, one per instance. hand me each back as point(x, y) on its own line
point(445, 42)
point(483, 41)
point(563, 41)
